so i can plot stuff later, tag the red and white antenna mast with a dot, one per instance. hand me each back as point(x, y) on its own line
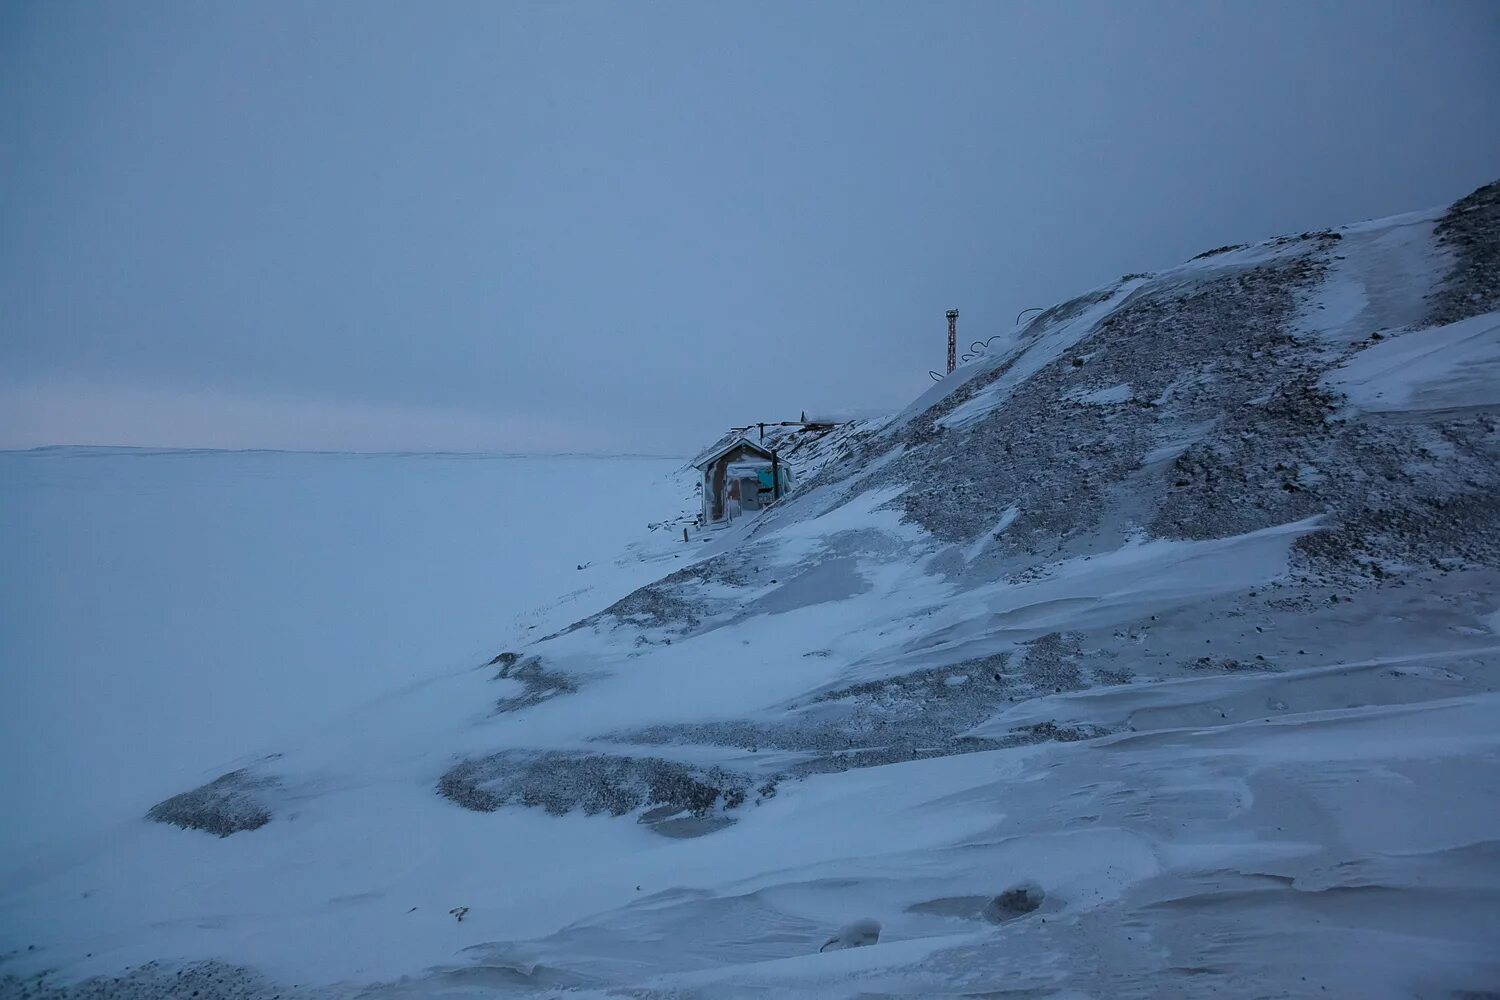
point(952, 340)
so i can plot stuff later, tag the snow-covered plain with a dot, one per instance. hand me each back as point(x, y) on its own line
point(163, 611)
point(1155, 654)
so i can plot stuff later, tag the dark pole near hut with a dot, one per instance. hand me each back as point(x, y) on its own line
point(775, 477)
point(952, 340)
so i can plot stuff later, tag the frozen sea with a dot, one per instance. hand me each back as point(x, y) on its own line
point(162, 612)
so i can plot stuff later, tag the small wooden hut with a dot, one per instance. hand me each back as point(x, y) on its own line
point(740, 476)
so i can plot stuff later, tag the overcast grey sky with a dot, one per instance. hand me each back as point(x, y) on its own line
point(594, 226)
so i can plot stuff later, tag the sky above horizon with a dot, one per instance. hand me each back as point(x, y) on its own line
point(478, 226)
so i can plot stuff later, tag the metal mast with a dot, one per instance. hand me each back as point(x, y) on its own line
point(952, 340)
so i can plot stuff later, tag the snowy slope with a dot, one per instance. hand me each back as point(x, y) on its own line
point(1176, 619)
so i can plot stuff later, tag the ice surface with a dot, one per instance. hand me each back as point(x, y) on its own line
point(165, 613)
point(1154, 654)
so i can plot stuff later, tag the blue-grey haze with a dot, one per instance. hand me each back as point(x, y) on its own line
point(597, 226)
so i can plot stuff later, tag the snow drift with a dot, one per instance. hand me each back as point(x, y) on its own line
point(1154, 654)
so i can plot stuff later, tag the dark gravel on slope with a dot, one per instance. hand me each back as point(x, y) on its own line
point(1219, 366)
point(538, 683)
point(671, 606)
point(231, 803)
point(155, 981)
point(1470, 230)
point(1189, 354)
point(912, 716)
point(564, 781)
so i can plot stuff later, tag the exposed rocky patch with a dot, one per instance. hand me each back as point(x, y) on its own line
point(1254, 470)
point(1235, 433)
point(229, 804)
point(566, 781)
point(538, 684)
point(1228, 664)
point(672, 606)
point(655, 606)
point(912, 716)
point(1050, 664)
point(1442, 532)
point(1226, 248)
point(156, 981)
point(1386, 498)
point(1058, 458)
point(1014, 902)
point(1470, 231)
point(885, 720)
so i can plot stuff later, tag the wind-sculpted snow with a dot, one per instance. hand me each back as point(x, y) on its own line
point(907, 717)
point(870, 724)
point(1155, 653)
point(672, 605)
point(1449, 367)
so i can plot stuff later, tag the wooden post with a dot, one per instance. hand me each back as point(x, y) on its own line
point(775, 477)
point(684, 534)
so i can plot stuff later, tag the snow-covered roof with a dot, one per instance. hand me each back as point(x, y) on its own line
point(725, 446)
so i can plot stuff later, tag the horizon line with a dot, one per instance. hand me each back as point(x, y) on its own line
point(392, 453)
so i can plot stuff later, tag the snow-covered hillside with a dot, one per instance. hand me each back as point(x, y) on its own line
point(1153, 654)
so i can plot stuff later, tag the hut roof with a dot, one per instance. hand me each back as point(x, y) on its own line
point(724, 447)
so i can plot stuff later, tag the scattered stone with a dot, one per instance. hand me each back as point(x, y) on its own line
point(1014, 902)
point(860, 934)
